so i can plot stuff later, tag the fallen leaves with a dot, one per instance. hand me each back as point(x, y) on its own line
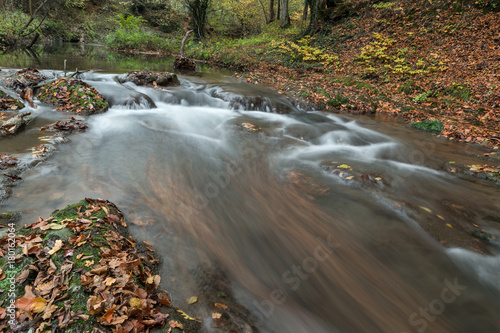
point(107, 279)
point(72, 95)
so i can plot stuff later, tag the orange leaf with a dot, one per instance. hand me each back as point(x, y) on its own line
point(108, 316)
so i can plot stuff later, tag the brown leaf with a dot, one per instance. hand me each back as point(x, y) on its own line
point(49, 311)
point(108, 316)
point(164, 299)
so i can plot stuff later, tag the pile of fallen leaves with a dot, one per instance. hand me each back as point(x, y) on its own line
point(80, 272)
point(152, 79)
point(71, 124)
point(72, 95)
point(27, 77)
point(9, 103)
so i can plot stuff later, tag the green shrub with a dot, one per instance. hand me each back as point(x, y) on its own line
point(11, 27)
point(137, 40)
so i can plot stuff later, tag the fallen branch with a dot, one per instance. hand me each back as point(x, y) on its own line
point(183, 43)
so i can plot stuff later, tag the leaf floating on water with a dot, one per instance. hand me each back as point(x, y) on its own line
point(221, 306)
point(451, 162)
point(350, 177)
point(344, 166)
point(185, 316)
point(192, 299)
point(426, 209)
point(449, 225)
point(378, 178)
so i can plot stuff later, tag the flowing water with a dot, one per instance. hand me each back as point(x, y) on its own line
point(315, 220)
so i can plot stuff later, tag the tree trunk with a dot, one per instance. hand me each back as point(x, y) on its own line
point(278, 12)
point(285, 15)
point(183, 43)
point(264, 10)
point(271, 11)
point(306, 9)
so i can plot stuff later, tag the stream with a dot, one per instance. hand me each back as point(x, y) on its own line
point(320, 222)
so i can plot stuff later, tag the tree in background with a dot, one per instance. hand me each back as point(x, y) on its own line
point(198, 10)
point(285, 14)
point(272, 13)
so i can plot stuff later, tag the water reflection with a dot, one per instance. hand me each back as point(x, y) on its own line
point(84, 57)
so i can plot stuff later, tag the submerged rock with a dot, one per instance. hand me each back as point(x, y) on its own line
point(72, 95)
point(69, 125)
point(15, 124)
point(9, 103)
point(152, 79)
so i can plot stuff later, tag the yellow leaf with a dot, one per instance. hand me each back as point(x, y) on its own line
point(344, 166)
point(57, 247)
point(192, 299)
point(53, 226)
point(440, 217)
point(89, 263)
point(185, 316)
point(449, 225)
point(426, 209)
point(135, 303)
point(39, 305)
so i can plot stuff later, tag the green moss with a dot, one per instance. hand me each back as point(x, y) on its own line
point(71, 212)
point(338, 101)
point(429, 125)
point(9, 103)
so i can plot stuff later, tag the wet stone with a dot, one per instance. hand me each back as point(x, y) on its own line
point(152, 79)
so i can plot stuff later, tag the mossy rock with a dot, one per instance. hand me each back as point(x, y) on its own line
point(9, 103)
point(72, 95)
point(152, 79)
point(80, 269)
